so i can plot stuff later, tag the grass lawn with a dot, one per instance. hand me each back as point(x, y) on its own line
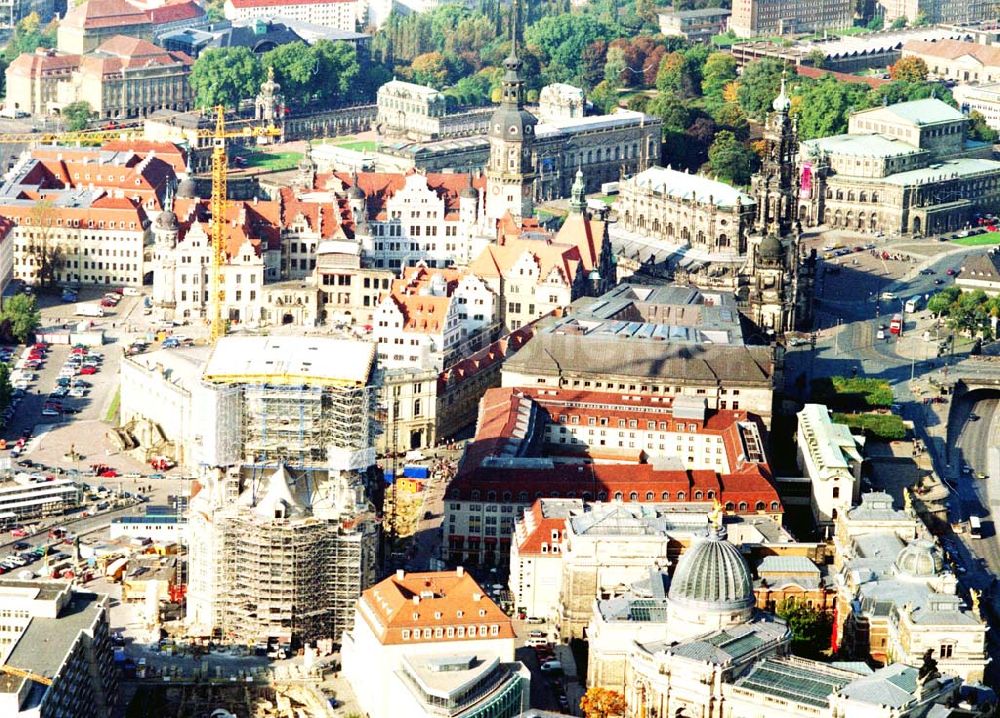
point(359, 145)
point(979, 240)
point(273, 161)
point(608, 199)
point(112, 416)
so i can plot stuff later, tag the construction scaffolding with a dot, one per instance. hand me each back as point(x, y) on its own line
point(307, 425)
point(292, 580)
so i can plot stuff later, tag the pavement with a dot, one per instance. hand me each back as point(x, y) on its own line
point(849, 309)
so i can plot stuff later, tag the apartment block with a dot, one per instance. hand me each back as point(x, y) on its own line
point(754, 18)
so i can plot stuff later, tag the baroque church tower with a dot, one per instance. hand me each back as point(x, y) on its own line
point(509, 175)
point(778, 296)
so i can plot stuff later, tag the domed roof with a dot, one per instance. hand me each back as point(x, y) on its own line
point(511, 123)
point(770, 247)
point(187, 189)
point(782, 103)
point(920, 558)
point(712, 576)
point(166, 220)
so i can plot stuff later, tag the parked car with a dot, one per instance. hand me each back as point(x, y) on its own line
point(87, 370)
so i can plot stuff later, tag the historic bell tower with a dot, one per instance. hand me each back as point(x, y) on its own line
point(775, 294)
point(509, 175)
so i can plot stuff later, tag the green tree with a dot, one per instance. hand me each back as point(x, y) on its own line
point(826, 105)
point(21, 312)
point(719, 70)
point(28, 36)
point(296, 69)
point(6, 390)
point(759, 85)
point(909, 69)
point(224, 76)
point(816, 58)
point(337, 71)
point(604, 96)
point(78, 115)
point(940, 304)
point(876, 23)
point(471, 91)
point(672, 110)
point(810, 627)
point(730, 159)
point(979, 130)
point(614, 66)
point(430, 69)
point(561, 41)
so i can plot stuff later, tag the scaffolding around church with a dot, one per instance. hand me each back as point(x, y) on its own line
point(292, 577)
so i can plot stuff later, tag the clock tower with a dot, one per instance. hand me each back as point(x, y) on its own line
point(510, 178)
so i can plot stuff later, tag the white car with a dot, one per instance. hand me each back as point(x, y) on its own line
point(888, 296)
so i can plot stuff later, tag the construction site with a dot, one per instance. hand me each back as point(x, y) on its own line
point(289, 577)
point(285, 538)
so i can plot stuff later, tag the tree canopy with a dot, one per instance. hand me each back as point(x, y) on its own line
point(224, 76)
point(826, 105)
point(729, 159)
point(602, 703)
point(810, 627)
point(20, 316)
point(78, 115)
point(909, 69)
point(970, 312)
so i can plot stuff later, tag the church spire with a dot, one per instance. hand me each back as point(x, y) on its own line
point(578, 194)
point(512, 90)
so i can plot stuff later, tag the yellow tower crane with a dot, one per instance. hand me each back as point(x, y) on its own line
point(217, 204)
point(21, 673)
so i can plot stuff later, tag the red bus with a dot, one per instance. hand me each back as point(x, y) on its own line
point(896, 325)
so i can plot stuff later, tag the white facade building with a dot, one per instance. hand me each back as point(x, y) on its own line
point(338, 14)
point(432, 318)
point(829, 455)
point(428, 642)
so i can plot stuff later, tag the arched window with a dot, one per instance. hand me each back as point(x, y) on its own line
point(665, 496)
point(649, 496)
point(475, 495)
point(760, 506)
point(680, 495)
point(602, 496)
point(506, 496)
point(730, 506)
point(698, 496)
point(634, 496)
point(523, 497)
point(618, 496)
point(491, 495)
point(723, 241)
point(774, 506)
point(743, 505)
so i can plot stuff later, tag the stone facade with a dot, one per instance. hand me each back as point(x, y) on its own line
point(904, 168)
point(753, 18)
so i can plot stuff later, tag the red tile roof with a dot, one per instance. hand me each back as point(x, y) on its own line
point(503, 418)
point(175, 12)
point(283, 3)
point(986, 55)
point(33, 64)
point(417, 601)
point(95, 14)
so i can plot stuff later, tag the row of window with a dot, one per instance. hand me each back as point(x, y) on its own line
point(450, 632)
point(698, 495)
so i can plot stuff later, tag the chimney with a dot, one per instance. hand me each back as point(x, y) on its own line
point(459, 571)
point(400, 574)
